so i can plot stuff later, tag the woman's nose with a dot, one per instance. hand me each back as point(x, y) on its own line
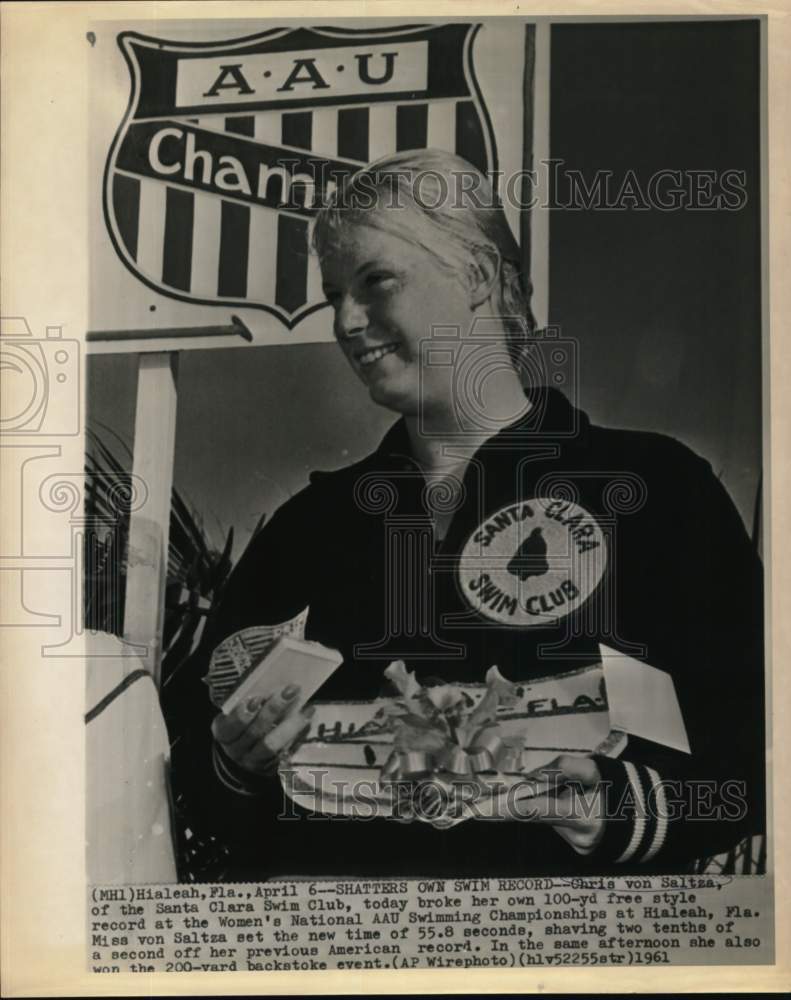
point(351, 318)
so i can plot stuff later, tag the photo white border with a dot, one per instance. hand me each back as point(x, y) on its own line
point(43, 249)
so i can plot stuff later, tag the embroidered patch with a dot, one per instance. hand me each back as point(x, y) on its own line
point(533, 562)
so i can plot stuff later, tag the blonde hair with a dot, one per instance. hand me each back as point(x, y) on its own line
point(442, 203)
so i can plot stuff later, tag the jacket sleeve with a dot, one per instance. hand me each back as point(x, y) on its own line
point(705, 628)
point(271, 581)
point(270, 584)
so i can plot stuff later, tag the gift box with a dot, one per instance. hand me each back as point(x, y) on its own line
point(447, 752)
point(443, 752)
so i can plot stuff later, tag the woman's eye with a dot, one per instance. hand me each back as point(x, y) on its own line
point(375, 278)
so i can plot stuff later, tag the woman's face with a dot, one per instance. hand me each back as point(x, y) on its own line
point(387, 294)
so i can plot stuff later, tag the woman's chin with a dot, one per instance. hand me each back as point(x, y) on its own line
point(394, 394)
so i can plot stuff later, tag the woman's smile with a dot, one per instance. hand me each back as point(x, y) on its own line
point(387, 296)
point(367, 358)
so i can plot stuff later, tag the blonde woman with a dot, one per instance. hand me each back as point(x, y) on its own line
point(417, 257)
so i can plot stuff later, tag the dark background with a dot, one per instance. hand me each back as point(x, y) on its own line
point(665, 306)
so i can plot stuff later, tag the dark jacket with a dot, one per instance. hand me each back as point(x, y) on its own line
point(681, 589)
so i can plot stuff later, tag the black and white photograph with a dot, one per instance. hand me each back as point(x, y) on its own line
point(420, 551)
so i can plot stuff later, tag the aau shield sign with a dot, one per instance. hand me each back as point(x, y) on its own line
point(227, 149)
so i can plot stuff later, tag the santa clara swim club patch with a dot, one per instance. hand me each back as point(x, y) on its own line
point(533, 562)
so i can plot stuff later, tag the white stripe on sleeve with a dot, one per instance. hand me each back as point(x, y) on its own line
point(639, 815)
point(660, 805)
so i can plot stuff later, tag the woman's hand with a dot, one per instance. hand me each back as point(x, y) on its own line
point(574, 803)
point(258, 730)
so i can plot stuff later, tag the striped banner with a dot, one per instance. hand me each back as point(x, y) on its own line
point(215, 205)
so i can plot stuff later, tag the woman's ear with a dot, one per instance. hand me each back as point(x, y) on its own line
point(484, 272)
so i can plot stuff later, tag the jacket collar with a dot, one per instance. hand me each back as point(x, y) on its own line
point(551, 417)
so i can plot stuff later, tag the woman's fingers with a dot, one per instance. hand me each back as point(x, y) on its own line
point(288, 730)
point(568, 768)
point(262, 755)
point(272, 711)
point(583, 842)
point(576, 814)
point(228, 728)
point(251, 720)
point(568, 809)
point(570, 799)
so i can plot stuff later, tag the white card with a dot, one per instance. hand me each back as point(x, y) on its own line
point(290, 661)
point(643, 700)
